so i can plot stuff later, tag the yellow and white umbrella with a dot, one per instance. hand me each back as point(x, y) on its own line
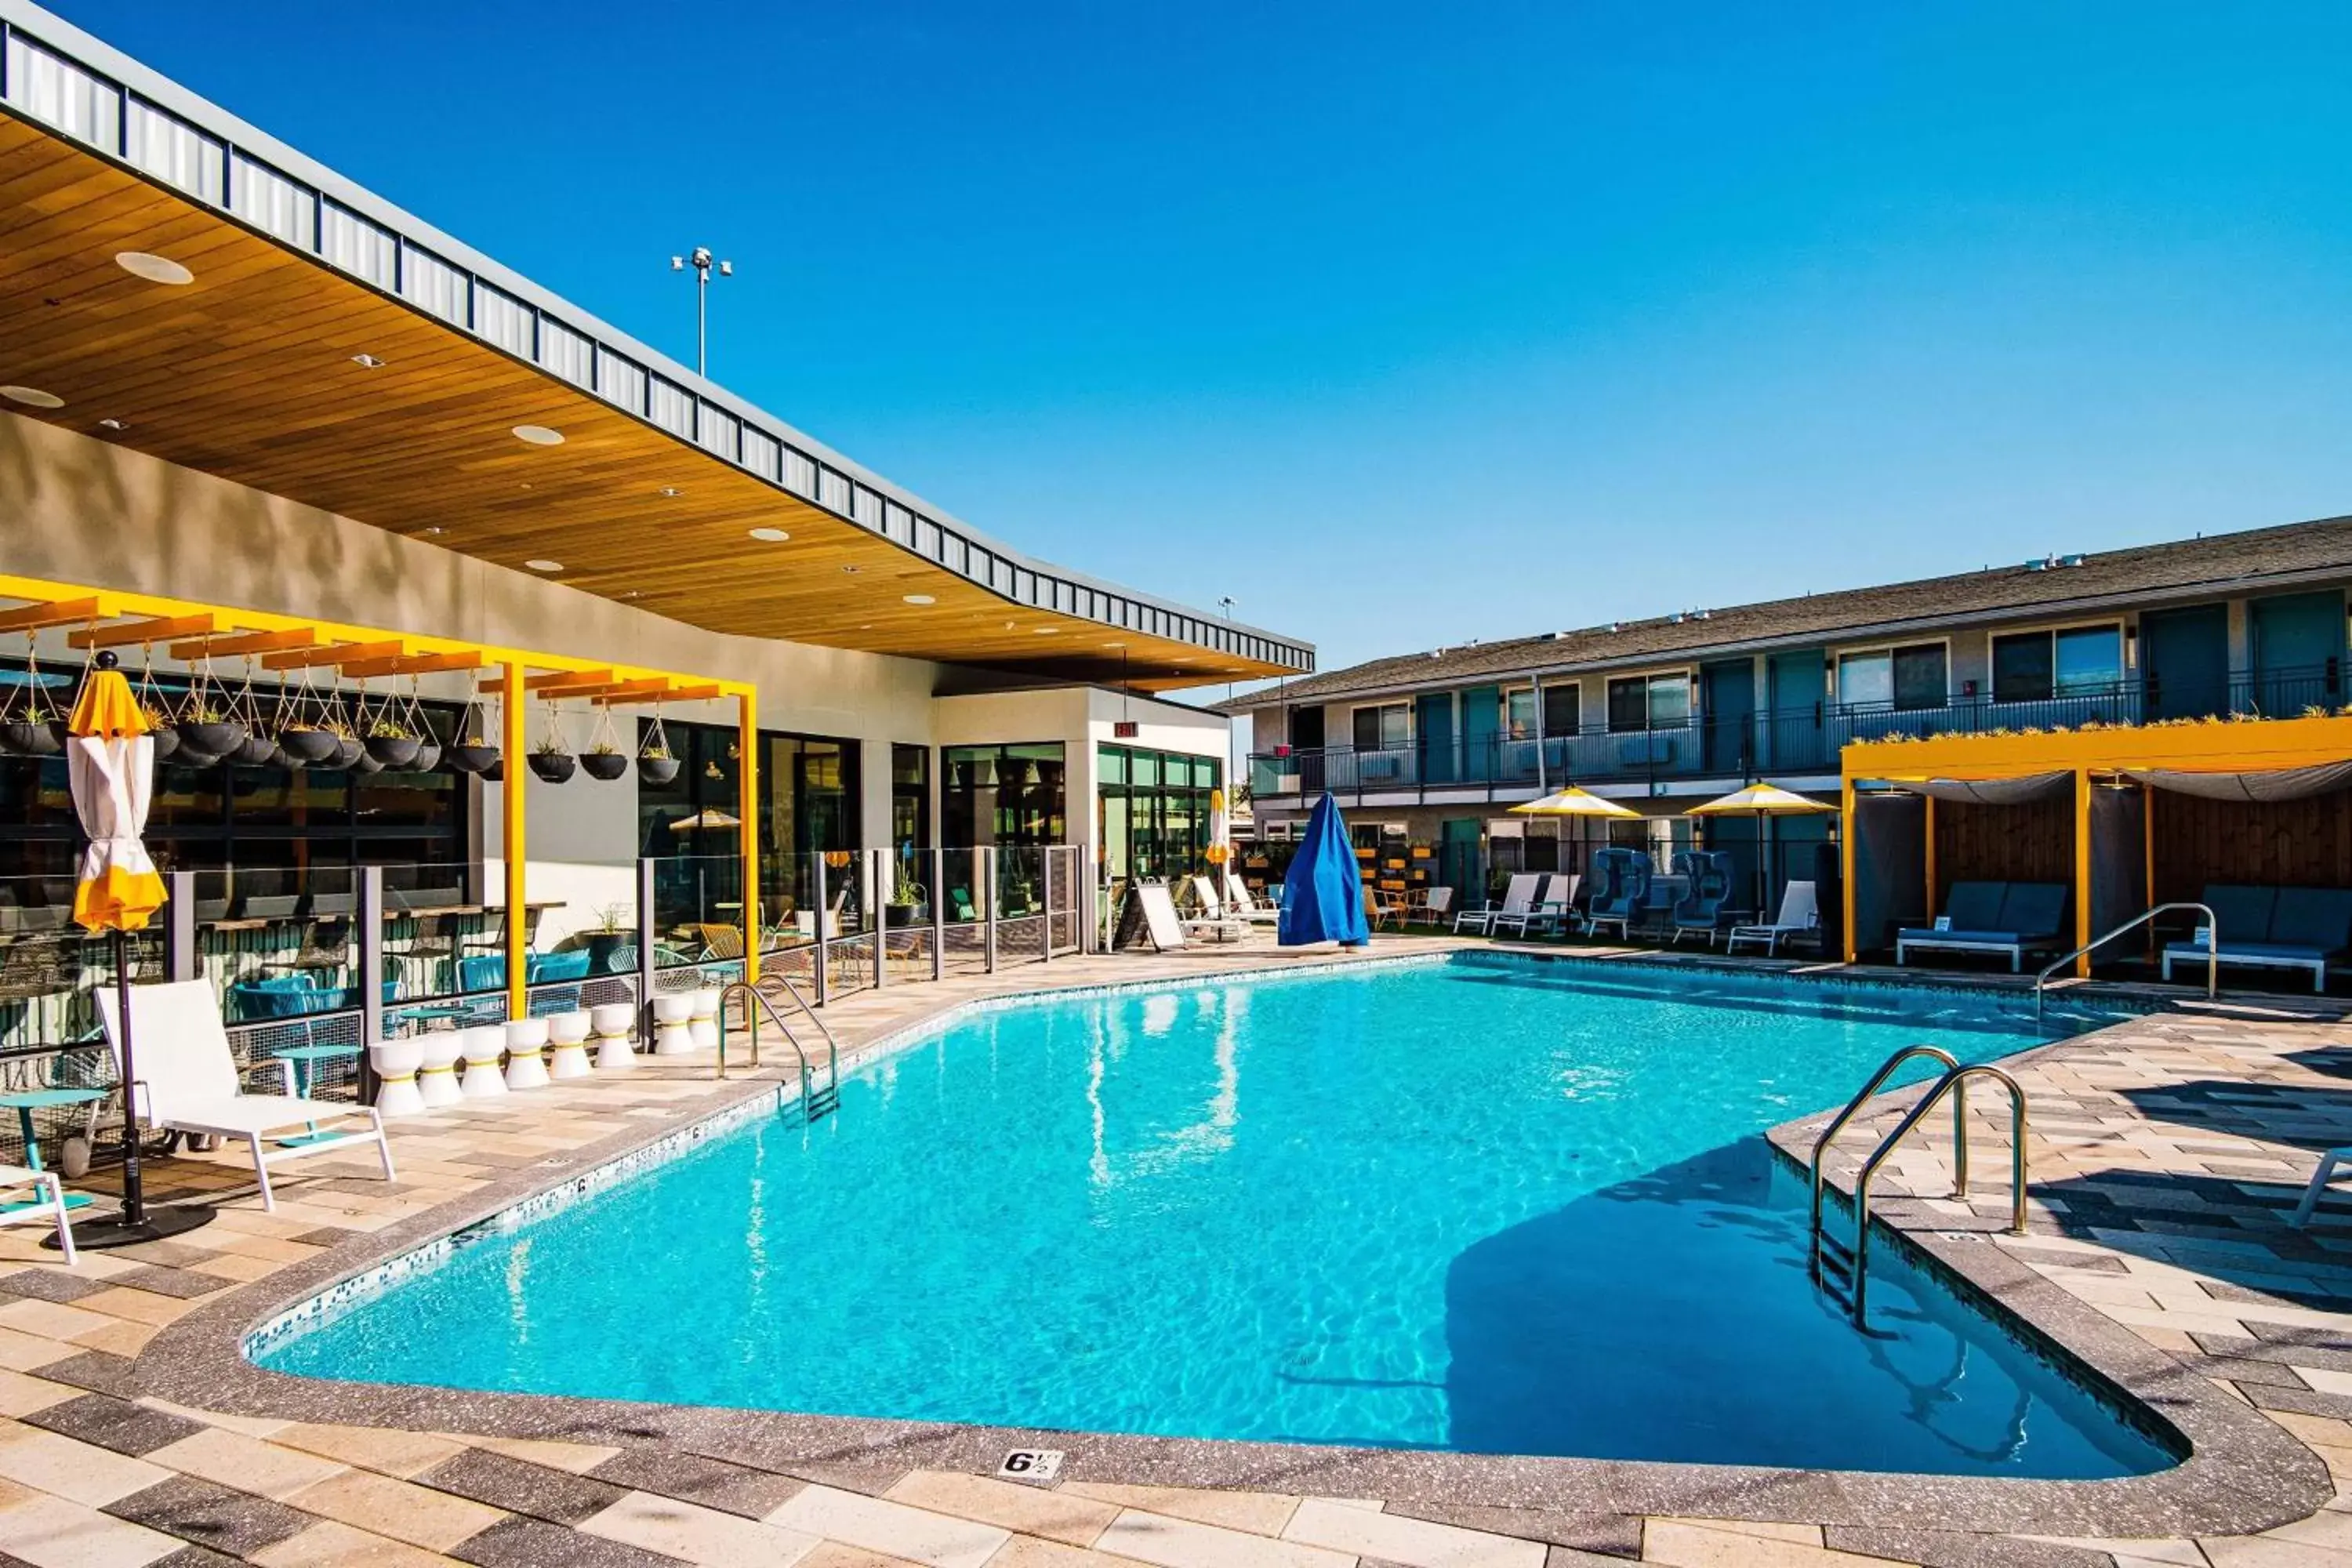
point(1761, 800)
point(111, 765)
point(1573, 800)
point(1221, 846)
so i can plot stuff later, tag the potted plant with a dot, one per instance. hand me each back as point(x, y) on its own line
point(208, 731)
point(390, 742)
point(550, 762)
point(604, 759)
point(655, 763)
point(159, 723)
point(610, 932)
point(349, 747)
point(428, 751)
point(905, 905)
point(306, 741)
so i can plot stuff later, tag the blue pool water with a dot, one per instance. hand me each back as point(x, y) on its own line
point(1482, 1204)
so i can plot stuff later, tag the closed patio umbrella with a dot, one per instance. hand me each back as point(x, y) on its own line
point(110, 764)
point(1761, 800)
point(1323, 893)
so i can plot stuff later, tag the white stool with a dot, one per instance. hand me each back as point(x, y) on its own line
point(568, 1032)
point(2328, 1161)
point(673, 1031)
point(610, 1025)
point(436, 1078)
point(484, 1044)
point(526, 1038)
point(396, 1062)
point(704, 1025)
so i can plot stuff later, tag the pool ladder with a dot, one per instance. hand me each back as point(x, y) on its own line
point(817, 1100)
point(1837, 1267)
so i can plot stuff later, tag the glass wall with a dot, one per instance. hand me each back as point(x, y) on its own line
point(1003, 796)
point(809, 799)
point(910, 799)
point(1153, 815)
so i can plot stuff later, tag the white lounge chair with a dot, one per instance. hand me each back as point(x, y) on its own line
point(1546, 913)
point(187, 1082)
point(48, 1203)
point(1430, 906)
point(1239, 905)
point(1220, 925)
point(1519, 898)
point(1800, 913)
point(2328, 1162)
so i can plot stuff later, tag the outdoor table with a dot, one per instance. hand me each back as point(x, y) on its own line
point(26, 1101)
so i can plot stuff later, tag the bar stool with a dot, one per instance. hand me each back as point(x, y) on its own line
point(704, 1025)
point(437, 1076)
point(673, 1019)
point(568, 1032)
point(396, 1061)
point(484, 1044)
point(526, 1038)
point(610, 1024)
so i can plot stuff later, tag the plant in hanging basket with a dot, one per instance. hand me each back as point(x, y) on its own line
point(365, 764)
point(348, 750)
point(550, 762)
point(472, 757)
point(279, 757)
point(606, 762)
point(391, 743)
point(204, 728)
point(427, 757)
point(159, 728)
point(258, 752)
point(657, 770)
point(306, 742)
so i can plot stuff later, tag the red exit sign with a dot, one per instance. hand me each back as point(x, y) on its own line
point(1126, 729)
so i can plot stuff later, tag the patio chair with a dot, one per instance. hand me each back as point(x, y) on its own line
point(1430, 906)
point(1621, 880)
point(1699, 911)
point(1546, 913)
point(1380, 907)
point(2328, 1161)
point(1518, 897)
point(2008, 920)
point(1800, 916)
point(1213, 916)
point(1241, 906)
point(2272, 928)
point(188, 1082)
point(48, 1203)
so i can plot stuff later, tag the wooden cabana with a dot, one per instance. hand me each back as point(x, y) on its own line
point(2129, 816)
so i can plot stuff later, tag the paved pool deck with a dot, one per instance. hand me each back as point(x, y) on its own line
point(2165, 1154)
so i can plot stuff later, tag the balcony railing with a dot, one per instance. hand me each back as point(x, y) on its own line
point(1776, 741)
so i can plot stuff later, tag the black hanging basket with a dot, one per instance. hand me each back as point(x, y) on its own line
point(472, 759)
point(308, 746)
point(216, 740)
point(553, 766)
point(605, 765)
point(29, 738)
point(167, 741)
point(657, 769)
point(427, 758)
point(365, 764)
point(393, 751)
point(258, 752)
point(496, 770)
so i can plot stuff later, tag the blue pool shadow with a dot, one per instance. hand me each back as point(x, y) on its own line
point(1671, 1318)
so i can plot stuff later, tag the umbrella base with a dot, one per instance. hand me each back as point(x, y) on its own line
point(100, 1234)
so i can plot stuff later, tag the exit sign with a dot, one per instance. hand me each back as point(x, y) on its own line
point(1126, 729)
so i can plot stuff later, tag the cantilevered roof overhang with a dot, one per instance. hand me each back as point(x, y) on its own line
point(332, 349)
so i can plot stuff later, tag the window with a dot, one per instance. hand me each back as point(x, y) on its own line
point(910, 798)
point(1519, 714)
point(1154, 811)
point(1904, 677)
point(1381, 729)
point(809, 806)
point(1002, 795)
point(1649, 702)
point(2033, 666)
point(1562, 709)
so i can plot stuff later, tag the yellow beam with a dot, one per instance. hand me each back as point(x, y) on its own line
point(746, 812)
point(1845, 853)
point(512, 790)
point(154, 629)
point(2219, 746)
point(1932, 905)
point(2083, 871)
point(413, 664)
point(236, 643)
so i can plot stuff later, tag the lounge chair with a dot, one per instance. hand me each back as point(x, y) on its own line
point(1430, 906)
point(1519, 898)
point(188, 1082)
point(1241, 906)
point(1621, 881)
point(2006, 919)
point(1800, 916)
point(1546, 913)
point(2329, 1160)
point(48, 1203)
point(1699, 911)
point(2272, 928)
point(1212, 918)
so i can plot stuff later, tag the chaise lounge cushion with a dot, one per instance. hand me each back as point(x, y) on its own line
point(2034, 908)
point(1974, 906)
point(1995, 914)
point(2317, 918)
point(2241, 914)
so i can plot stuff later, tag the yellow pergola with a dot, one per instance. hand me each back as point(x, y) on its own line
point(104, 617)
point(2241, 745)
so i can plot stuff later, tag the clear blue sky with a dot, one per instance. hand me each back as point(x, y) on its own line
point(1407, 324)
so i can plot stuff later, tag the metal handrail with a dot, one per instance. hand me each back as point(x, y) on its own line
point(1951, 1082)
point(800, 1000)
point(751, 1026)
point(1838, 1122)
point(2213, 949)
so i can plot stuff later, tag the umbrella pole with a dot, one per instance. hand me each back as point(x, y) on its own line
point(134, 1197)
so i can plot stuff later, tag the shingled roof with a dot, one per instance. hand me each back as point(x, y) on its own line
point(2214, 563)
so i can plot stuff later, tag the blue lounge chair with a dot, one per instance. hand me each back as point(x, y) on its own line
point(1699, 911)
point(1621, 880)
point(2006, 919)
point(2272, 928)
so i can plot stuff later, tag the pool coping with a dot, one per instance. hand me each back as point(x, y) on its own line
point(2243, 1472)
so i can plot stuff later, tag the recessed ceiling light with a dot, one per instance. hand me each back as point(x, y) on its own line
point(154, 269)
point(1045, 631)
point(538, 434)
point(435, 531)
point(369, 360)
point(866, 625)
point(920, 599)
point(853, 569)
point(672, 491)
point(1010, 626)
point(544, 565)
point(32, 397)
point(770, 535)
point(112, 425)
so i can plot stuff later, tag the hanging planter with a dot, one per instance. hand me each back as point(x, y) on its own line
point(27, 726)
point(348, 750)
point(300, 722)
point(154, 709)
point(655, 766)
point(497, 769)
point(306, 742)
point(365, 764)
point(604, 759)
point(387, 734)
point(549, 759)
point(259, 750)
point(470, 750)
point(427, 758)
point(208, 728)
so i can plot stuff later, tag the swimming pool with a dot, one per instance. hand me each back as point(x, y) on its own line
point(1485, 1204)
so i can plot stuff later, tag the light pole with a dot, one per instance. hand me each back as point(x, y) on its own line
point(1228, 604)
point(701, 262)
